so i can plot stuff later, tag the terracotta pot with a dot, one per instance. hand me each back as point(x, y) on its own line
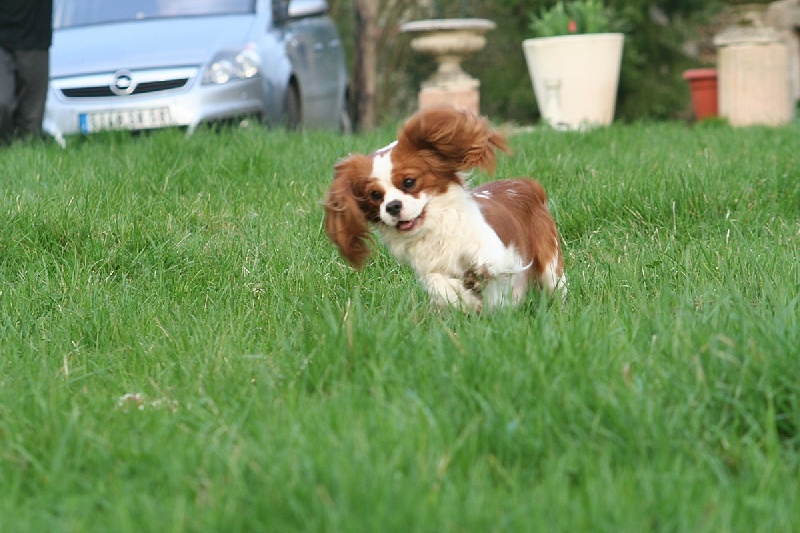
point(703, 86)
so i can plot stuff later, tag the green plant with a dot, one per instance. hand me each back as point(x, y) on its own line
point(581, 16)
point(450, 9)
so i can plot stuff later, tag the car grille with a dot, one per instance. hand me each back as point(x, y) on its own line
point(100, 91)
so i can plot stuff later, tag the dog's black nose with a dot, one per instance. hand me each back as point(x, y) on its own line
point(394, 207)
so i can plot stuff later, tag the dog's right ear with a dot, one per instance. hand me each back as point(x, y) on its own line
point(345, 223)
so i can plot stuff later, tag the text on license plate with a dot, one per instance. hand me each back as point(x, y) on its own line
point(128, 119)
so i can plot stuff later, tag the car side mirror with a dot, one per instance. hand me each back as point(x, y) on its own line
point(307, 8)
point(286, 10)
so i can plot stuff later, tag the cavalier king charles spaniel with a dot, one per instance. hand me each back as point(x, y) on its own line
point(472, 248)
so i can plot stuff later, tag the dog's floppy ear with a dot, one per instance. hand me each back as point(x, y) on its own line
point(459, 138)
point(345, 223)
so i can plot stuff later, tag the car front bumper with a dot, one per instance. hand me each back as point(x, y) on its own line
point(156, 99)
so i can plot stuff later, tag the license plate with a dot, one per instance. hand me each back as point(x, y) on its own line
point(128, 119)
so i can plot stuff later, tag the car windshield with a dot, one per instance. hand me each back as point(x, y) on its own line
point(69, 13)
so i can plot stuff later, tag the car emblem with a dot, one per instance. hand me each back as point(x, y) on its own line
point(123, 83)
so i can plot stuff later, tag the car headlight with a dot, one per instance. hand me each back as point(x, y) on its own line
point(232, 64)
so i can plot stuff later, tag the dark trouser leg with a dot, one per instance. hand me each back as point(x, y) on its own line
point(33, 71)
point(8, 98)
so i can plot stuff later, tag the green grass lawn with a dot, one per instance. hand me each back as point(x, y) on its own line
point(181, 349)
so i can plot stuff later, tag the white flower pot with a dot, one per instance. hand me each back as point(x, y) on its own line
point(575, 77)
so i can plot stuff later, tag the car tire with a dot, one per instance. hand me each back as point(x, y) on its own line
point(292, 112)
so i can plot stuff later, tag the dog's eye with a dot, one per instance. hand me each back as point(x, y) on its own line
point(408, 183)
point(376, 196)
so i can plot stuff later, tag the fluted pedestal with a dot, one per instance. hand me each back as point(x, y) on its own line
point(754, 83)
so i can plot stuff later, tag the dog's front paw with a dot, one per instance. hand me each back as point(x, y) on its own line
point(449, 291)
point(476, 278)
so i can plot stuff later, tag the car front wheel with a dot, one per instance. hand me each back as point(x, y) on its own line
point(292, 112)
point(345, 122)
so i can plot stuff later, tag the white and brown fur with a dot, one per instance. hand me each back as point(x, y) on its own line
point(471, 248)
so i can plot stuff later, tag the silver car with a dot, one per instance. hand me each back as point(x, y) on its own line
point(144, 64)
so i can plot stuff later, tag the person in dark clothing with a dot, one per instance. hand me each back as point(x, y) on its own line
point(26, 32)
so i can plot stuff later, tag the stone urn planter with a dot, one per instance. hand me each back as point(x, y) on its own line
point(703, 89)
point(449, 41)
point(575, 77)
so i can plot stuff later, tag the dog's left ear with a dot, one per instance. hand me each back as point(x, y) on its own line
point(345, 223)
point(459, 138)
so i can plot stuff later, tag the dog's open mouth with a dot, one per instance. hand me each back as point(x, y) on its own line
point(408, 225)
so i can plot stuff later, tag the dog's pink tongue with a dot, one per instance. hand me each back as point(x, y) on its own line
point(405, 225)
